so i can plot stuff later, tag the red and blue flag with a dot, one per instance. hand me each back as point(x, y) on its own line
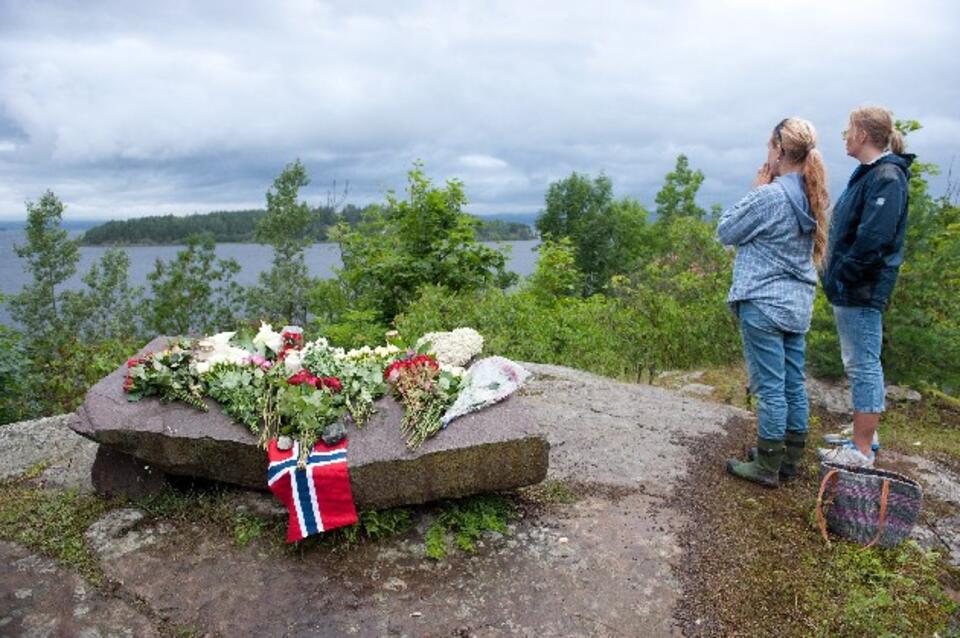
point(317, 497)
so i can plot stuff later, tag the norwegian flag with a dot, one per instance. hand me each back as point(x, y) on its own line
point(318, 497)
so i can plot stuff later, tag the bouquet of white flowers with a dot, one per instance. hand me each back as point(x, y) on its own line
point(452, 349)
point(487, 381)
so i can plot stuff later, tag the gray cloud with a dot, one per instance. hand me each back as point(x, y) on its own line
point(134, 108)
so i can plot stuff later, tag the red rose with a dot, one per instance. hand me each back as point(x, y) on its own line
point(391, 369)
point(331, 382)
point(133, 362)
point(302, 376)
point(292, 338)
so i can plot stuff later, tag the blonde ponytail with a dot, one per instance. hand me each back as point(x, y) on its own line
point(815, 184)
point(897, 143)
point(798, 140)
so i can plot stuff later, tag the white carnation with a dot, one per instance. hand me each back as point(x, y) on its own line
point(386, 351)
point(454, 348)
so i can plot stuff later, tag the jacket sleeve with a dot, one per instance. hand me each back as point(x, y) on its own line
point(884, 201)
point(746, 219)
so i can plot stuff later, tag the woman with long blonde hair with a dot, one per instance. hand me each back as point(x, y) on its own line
point(780, 231)
point(863, 259)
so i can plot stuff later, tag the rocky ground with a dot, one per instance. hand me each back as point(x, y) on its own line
point(607, 558)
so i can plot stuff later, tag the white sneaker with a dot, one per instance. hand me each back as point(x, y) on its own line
point(845, 437)
point(846, 455)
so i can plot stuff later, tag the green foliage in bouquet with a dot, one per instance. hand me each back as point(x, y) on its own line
point(239, 390)
point(166, 375)
point(305, 411)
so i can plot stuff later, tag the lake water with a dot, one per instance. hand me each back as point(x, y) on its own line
point(253, 259)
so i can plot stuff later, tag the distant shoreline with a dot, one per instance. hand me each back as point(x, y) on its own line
point(251, 243)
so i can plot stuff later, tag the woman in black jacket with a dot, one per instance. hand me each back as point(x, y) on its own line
point(864, 254)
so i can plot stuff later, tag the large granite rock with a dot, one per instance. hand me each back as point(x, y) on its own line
point(47, 447)
point(495, 449)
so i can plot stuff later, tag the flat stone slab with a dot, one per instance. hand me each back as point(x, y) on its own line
point(495, 449)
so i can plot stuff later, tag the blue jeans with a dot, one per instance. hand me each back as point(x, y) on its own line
point(861, 333)
point(775, 362)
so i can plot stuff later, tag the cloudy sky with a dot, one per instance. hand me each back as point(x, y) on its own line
point(133, 108)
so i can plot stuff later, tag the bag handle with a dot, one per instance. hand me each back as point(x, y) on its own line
point(884, 493)
point(821, 519)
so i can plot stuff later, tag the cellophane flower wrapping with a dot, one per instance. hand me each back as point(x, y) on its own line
point(488, 381)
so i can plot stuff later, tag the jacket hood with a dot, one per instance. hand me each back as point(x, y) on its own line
point(793, 186)
point(901, 160)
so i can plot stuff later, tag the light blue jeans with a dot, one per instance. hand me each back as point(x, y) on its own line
point(861, 334)
point(775, 362)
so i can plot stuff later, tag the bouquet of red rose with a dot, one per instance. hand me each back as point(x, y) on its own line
point(306, 405)
point(425, 391)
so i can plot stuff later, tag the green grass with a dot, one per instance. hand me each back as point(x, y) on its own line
point(877, 592)
point(929, 427)
point(247, 528)
point(729, 383)
point(466, 520)
point(375, 526)
point(52, 523)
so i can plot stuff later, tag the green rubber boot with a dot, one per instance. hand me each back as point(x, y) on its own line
point(794, 443)
point(765, 469)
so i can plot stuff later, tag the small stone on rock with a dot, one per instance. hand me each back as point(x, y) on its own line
point(901, 393)
point(395, 584)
